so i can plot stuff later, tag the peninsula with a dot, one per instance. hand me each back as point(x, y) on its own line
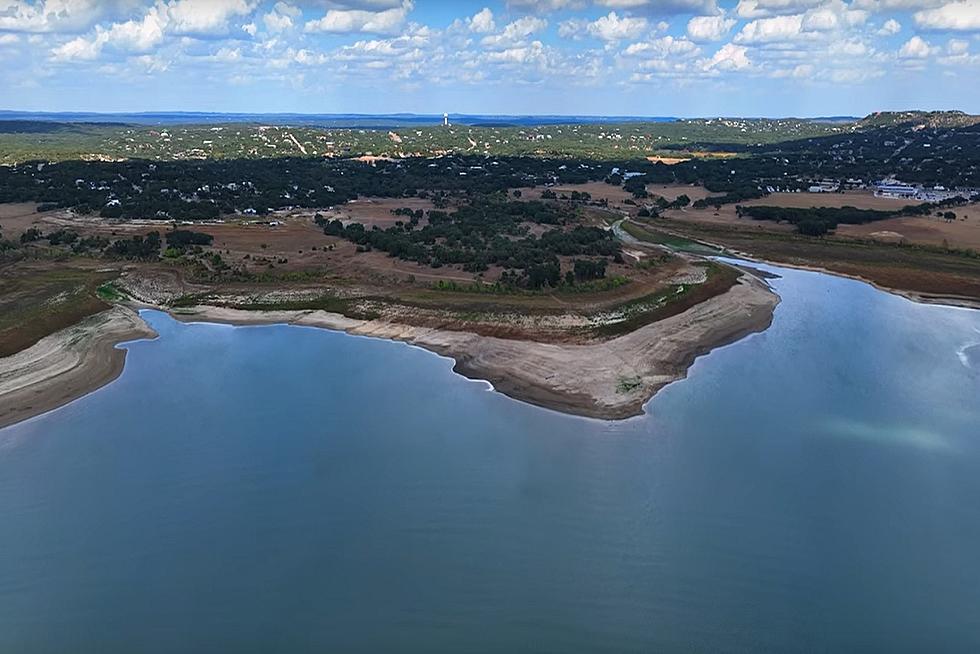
point(581, 277)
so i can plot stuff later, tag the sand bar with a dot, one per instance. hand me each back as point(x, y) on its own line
point(610, 379)
point(67, 364)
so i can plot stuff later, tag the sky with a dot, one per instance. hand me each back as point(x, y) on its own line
point(571, 57)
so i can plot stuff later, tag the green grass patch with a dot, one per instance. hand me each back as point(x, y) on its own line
point(674, 242)
point(628, 384)
point(328, 303)
point(670, 301)
point(108, 292)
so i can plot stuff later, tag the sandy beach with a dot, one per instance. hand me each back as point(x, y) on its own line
point(67, 364)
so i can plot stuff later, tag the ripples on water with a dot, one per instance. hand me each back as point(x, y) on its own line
point(812, 488)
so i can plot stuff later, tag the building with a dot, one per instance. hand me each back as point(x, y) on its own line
point(895, 189)
point(825, 186)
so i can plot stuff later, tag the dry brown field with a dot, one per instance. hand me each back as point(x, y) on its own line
point(962, 233)
point(376, 211)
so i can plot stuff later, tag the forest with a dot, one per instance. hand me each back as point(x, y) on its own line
point(492, 232)
point(817, 221)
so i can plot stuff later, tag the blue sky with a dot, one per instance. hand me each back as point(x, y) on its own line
point(603, 57)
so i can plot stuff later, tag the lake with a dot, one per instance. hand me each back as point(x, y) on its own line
point(285, 489)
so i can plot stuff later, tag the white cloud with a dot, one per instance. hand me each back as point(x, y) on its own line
point(730, 57)
point(771, 30)
point(954, 16)
point(896, 5)
point(662, 48)
point(957, 46)
point(281, 17)
point(49, 15)
point(386, 21)
point(610, 28)
point(663, 7)
point(915, 48)
point(515, 33)
point(533, 53)
point(226, 55)
point(573, 28)
point(544, 6)
point(890, 28)
point(204, 17)
point(709, 28)
point(482, 22)
point(768, 8)
point(139, 35)
point(177, 17)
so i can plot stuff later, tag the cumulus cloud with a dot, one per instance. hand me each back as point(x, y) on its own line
point(954, 16)
point(385, 21)
point(204, 16)
point(663, 7)
point(896, 5)
point(821, 41)
point(662, 48)
point(890, 28)
point(650, 7)
point(545, 5)
point(771, 30)
point(957, 46)
point(915, 48)
point(709, 28)
point(177, 17)
point(515, 33)
point(482, 22)
point(767, 8)
point(730, 57)
point(131, 35)
point(49, 15)
point(281, 17)
point(610, 28)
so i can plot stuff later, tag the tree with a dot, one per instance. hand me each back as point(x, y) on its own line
point(32, 234)
point(681, 202)
point(812, 227)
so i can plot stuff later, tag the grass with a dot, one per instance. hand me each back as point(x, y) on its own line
point(627, 385)
point(674, 242)
point(670, 301)
point(109, 293)
point(41, 298)
point(922, 269)
point(326, 302)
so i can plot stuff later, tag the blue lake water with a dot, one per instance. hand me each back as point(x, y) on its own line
point(285, 489)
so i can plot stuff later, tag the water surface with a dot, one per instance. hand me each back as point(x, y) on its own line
point(286, 489)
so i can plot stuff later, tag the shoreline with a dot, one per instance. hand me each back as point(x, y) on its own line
point(941, 299)
point(608, 380)
point(67, 365)
point(935, 299)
